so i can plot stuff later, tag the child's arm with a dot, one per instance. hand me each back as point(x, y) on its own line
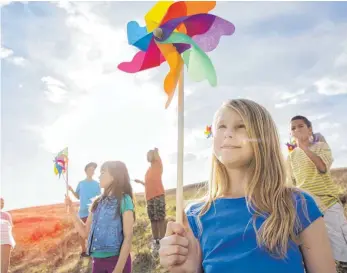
point(316, 249)
point(75, 193)
point(83, 229)
point(128, 223)
point(316, 160)
point(180, 251)
point(10, 219)
point(322, 159)
point(139, 182)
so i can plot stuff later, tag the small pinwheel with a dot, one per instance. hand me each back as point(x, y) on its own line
point(208, 131)
point(61, 162)
point(172, 29)
point(291, 144)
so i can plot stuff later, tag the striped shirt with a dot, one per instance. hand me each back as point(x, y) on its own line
point(305, 175)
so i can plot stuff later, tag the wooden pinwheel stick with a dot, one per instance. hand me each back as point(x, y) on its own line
point(67, 181)
point(67, 178)
point(180, 149)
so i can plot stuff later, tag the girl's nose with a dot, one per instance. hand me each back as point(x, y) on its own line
point(228, 134)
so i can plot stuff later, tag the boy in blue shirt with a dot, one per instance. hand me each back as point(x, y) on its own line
point(86, 190)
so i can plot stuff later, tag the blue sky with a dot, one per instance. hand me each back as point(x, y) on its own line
point(60, 86)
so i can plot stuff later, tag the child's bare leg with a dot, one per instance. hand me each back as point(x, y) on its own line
point(82, 243)
point(162, 228)
point(155, 229)
point(5, 258)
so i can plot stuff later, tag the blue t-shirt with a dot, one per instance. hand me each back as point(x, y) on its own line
point(87, 190)
point(228, 240)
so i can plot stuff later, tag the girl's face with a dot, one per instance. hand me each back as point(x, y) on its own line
point(299, 130)
point(231, 143)
point(105, 178)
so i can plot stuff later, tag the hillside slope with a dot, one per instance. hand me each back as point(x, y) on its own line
point(47, 242)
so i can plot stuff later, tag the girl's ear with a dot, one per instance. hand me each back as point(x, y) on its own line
point(310, 130)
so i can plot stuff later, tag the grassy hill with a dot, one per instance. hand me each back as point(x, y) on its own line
point(47, 242)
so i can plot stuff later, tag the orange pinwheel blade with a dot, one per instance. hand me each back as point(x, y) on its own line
point(175, 63)
point(187, 8)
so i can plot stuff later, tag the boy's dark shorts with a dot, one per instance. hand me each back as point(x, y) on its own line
point(156, 208)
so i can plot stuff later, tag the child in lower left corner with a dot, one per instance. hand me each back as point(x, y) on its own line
point(109, 227)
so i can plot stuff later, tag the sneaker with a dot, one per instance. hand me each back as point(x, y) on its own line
point(155, 245)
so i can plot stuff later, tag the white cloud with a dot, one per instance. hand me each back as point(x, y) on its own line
point(20, 61)
point(51, 81)
point(289, 102)
point(55, 89)
point(328, 86)
point(287, 95)
point(8, 54)
point(5, 52)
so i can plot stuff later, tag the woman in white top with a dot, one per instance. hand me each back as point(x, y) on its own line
point(7, 240)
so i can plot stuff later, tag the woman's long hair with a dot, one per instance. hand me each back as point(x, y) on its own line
point(120, 185)
point(266, 193)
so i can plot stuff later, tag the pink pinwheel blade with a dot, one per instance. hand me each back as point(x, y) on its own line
point(143, 60)
point(149, 59)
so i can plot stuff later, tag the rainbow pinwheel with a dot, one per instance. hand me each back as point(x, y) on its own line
point(290, 146)
point(61, 162)
point(208, 131)
point(178, 33)
point(172, 29)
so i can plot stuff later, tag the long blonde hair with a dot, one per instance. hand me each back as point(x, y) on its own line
point(266, 193)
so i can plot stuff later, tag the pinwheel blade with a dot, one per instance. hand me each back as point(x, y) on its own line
point(187, 8)
point(143, 60)
point(154, 17)
point(175, 63)
point(198, 63)
point(138, 36)
point(205, 29)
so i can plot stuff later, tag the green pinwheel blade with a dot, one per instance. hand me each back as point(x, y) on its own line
point(199, 65)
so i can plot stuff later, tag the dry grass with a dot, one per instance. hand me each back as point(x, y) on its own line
point(47, 242)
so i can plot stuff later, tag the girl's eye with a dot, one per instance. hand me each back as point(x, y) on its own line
point(221, 126)
point(240, 126)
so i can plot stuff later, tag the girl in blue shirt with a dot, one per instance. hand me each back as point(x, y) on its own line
point(250, 221)
point(109, 227)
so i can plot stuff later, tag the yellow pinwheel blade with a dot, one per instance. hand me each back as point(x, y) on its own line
point(154, 17)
